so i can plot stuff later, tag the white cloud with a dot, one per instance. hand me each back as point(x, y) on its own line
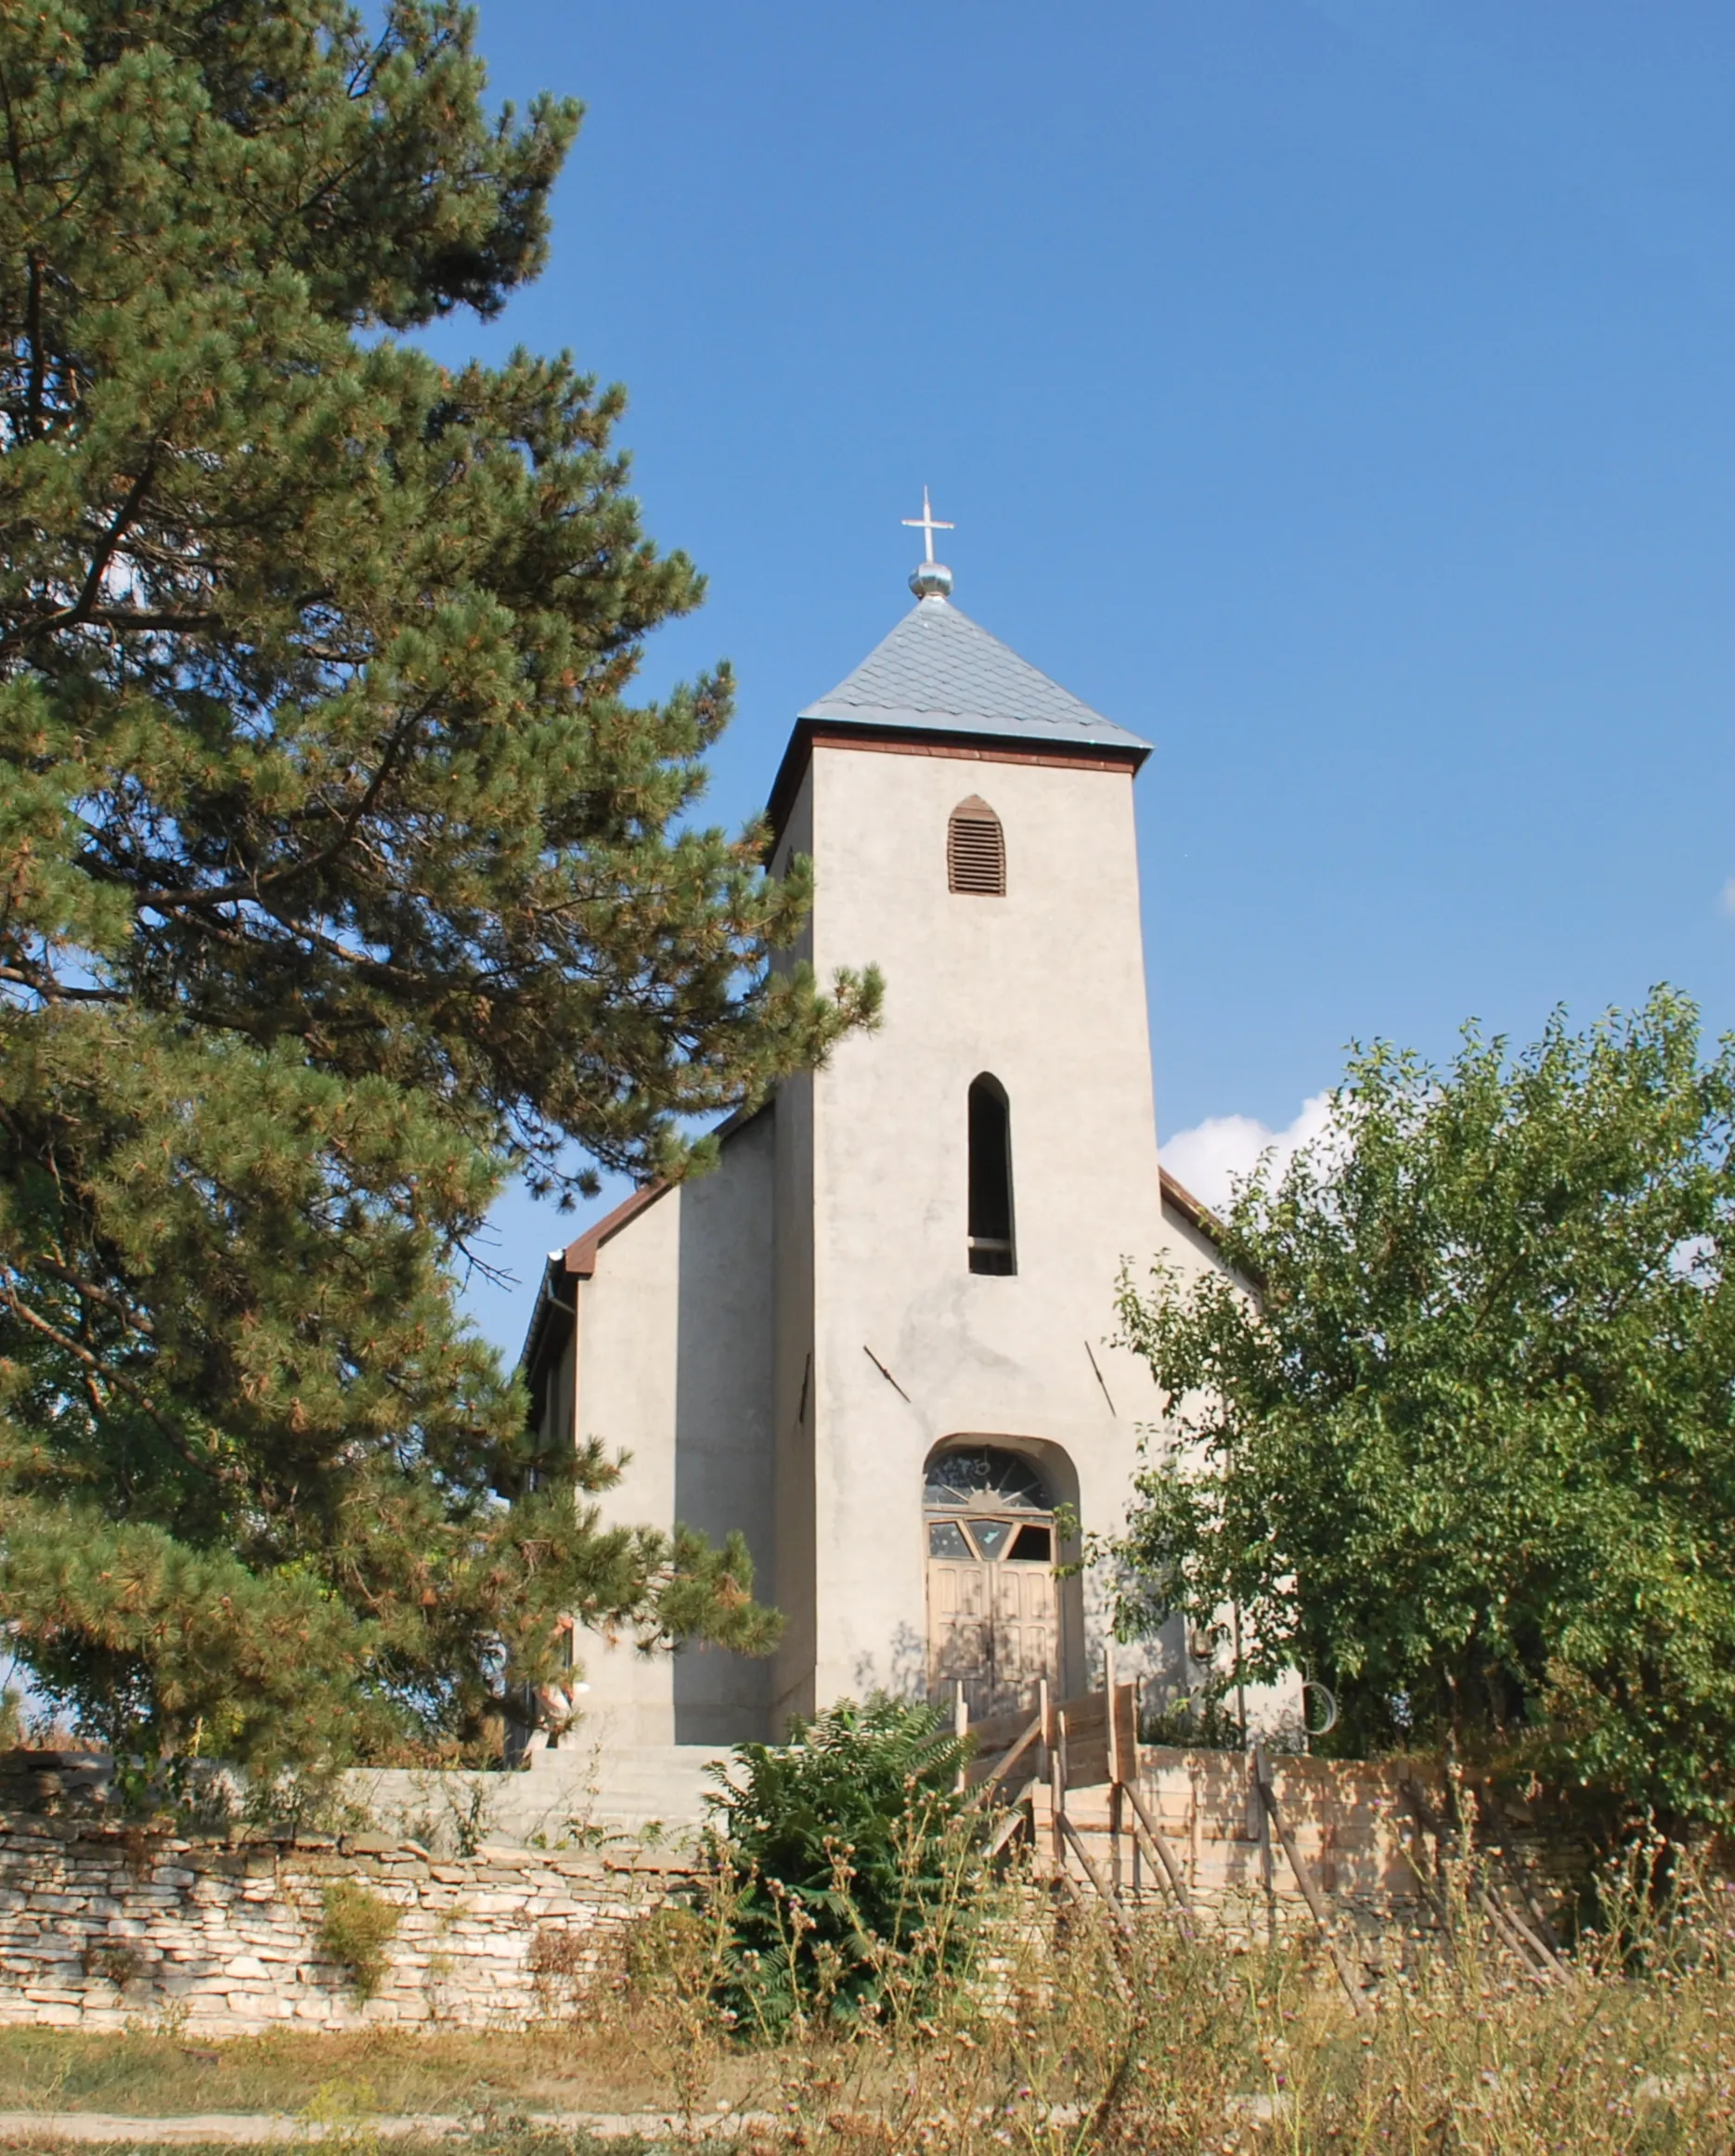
point(1729, 896)
point(1212, 1153)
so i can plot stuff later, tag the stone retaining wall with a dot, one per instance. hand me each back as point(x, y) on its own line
point(103, 1924)
point(103, 1927)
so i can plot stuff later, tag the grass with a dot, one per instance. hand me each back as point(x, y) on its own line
point(556, 2068)
point(509, 2140)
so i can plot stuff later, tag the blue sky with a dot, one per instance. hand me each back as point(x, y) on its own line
point(1340, 393)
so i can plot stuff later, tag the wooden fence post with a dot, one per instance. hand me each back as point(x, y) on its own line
point(1138, 1882)
point(1058, 1799)
point(960, 1725)
point(1115, 1805)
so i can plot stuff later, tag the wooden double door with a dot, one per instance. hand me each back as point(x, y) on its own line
point(993, 1615)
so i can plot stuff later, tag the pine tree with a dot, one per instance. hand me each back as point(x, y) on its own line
point(339, 876)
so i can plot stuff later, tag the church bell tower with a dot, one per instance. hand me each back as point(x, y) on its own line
point(955, 1194)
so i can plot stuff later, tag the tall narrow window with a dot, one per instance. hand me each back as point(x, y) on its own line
point(976, 850)
point(992, 1247)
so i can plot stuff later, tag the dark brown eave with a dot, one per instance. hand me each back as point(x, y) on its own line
point(579, 1256)
point(550, 1322)
point(1194, 1210)
point(558, 1304)
point(811, 734)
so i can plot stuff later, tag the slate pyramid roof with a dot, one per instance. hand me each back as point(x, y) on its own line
point(938, 672)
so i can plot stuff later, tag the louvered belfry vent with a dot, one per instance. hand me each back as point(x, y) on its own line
point(976, 850)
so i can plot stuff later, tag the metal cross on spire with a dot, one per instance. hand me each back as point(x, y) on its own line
point(927, 524)
point(933, 579)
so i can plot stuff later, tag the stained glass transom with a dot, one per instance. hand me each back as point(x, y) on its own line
point(983, 1478)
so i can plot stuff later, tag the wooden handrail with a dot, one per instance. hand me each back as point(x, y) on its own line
point(1010, 1825)
point(1009, 1759)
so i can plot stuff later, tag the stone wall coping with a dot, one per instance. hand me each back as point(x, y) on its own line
point(163, 1858)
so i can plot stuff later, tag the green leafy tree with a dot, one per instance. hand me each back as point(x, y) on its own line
point(1459, 1441)
point(339, 876)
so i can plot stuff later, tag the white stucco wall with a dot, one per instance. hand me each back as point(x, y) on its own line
point(792, 1670)
point(1046, 988)
point(675, 1365)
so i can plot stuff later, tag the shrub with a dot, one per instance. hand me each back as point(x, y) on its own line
point(355, 1924)
point(846, 1866)
point(1196, 1721)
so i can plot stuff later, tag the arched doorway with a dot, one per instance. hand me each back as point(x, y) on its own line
point(994, 1618)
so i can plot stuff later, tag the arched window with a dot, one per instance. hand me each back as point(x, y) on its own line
point(976, 850)
point(992, 1248)
point(978, 1477)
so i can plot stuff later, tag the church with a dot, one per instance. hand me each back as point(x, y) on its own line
point(877, 1338)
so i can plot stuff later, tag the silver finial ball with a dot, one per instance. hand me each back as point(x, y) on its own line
point(932, 581)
